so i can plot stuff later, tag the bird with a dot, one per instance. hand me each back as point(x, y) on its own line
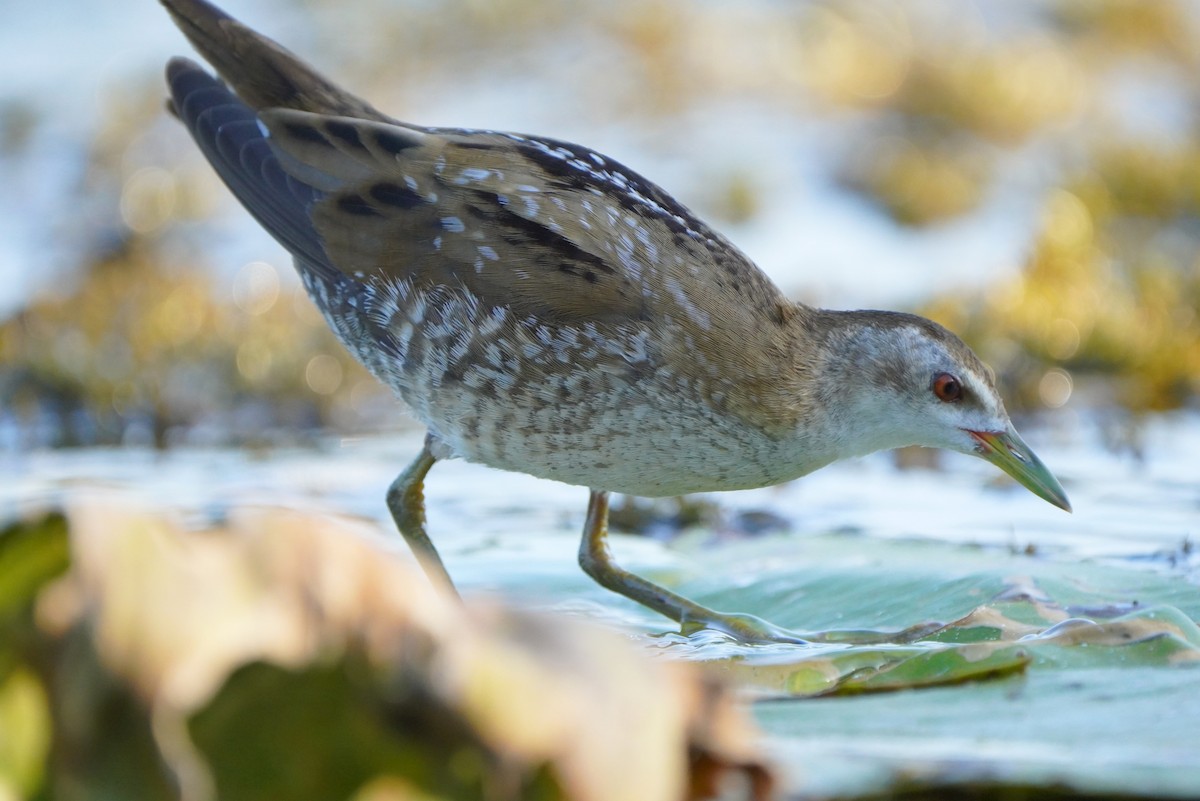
point(542, 308)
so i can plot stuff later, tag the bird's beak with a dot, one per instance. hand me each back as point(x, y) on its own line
point(1008, 451)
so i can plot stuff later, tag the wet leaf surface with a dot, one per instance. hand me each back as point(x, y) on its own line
point(1059, 673)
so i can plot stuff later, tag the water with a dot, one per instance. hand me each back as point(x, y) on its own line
point(517, 535)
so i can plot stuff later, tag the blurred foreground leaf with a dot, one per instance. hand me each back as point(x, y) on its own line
point(31, 553)
point(24, 734)
point(287, 656)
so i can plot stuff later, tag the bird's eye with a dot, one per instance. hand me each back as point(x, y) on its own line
point(947, 388)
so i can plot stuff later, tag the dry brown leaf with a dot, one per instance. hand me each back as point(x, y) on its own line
point(174, 612)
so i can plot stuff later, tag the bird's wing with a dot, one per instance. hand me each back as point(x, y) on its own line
point(458, 209)
point(551, 230)
point(546, 228)
point(232, 138)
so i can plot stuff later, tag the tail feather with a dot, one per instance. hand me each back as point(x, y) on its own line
point(235, 142)
point(263, 73)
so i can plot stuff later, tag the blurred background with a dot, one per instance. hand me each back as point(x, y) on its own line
point(1027, 173)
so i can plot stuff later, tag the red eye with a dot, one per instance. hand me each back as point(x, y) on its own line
point(947, 388)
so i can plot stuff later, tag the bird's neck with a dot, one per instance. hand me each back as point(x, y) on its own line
point(845, 381)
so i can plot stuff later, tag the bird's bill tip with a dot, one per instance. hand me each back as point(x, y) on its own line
point(1008, 451)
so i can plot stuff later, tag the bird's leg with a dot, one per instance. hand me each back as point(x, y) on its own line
point(406, 500)
point(596, 560)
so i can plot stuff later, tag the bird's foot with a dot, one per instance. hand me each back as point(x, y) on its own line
point(746, 628)
point(871, 637)
point(755, 631)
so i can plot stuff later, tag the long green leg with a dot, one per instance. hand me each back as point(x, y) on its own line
point(406, 501)
point(596, 560)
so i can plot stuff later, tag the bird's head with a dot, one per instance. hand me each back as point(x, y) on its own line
point(899, 379)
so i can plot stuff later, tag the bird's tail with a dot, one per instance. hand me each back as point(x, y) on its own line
point(232, 138)
point(262, 73)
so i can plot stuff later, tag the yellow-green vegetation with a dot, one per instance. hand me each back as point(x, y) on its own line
point(922, 181)
point(1107, 292)
point(143, 342)
point(142, 346)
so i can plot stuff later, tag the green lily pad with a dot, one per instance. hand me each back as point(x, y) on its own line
point(1098, 668)
point(1050, 673)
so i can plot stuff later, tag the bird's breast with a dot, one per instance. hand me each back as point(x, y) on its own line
point(604, 406)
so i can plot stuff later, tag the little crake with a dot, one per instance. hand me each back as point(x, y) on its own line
point(544, 309)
